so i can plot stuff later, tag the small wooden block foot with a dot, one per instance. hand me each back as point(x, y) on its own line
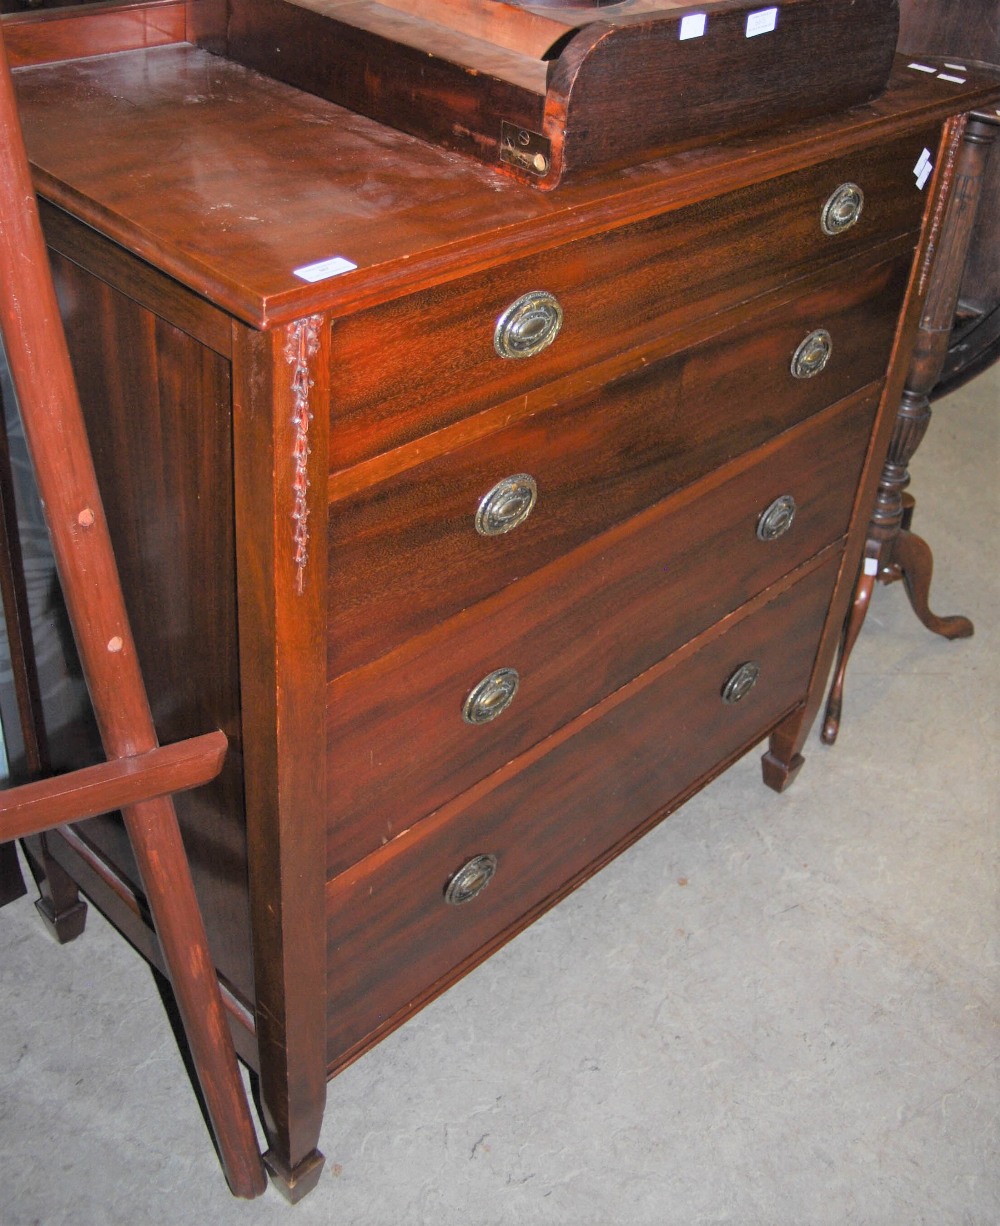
point(65, 925)
point(295, 1183)
point(59, 902)
point(778, 774)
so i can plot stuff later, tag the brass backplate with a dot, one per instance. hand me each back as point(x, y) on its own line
point(527, 150)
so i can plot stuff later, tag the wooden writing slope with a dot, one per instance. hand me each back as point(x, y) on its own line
point(489, 524)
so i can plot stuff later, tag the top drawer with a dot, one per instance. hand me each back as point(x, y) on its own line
point(413, 365)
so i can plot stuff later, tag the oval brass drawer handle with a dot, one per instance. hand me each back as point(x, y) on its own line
point(470, 880)
point(741, 682)
point(812, 354)
point(843, 209)
point(491, 696)
point(530, 324)
point(776, 519)
point(508, 504)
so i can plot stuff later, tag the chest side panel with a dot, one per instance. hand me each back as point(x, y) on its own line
point(157, 400)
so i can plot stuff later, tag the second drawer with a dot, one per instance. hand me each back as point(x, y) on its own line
point(406, 553)
point(399, 742)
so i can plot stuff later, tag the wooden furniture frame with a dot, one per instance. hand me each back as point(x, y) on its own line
point(140, 776)
point(317, 453)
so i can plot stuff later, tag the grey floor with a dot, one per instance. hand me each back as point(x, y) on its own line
point(776, 1010)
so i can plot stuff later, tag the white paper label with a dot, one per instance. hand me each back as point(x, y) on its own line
point(923, 168)
point(871, 566)
point(922, 67)
point(325, 268)
point(693, 25)
point(761, 22)
point(944, 76)
point(957, 67)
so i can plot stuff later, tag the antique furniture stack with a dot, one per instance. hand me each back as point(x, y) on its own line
point(488, 458)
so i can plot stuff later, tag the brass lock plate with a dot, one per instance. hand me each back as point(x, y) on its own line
point(527, 150)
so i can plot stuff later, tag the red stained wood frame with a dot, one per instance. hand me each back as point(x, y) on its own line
point(57, 441)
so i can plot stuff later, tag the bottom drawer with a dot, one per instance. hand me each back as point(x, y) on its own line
point(394, 939)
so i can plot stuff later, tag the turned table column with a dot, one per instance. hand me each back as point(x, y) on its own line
point(893, 551)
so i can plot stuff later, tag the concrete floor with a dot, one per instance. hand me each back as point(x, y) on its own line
point(775, 1010)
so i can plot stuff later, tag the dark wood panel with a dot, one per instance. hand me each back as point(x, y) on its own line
point(621, 105)
point(405, 554)
point(158, 414)
point(421, 362)
point(577, 630)
point(368, 72)
point(391, 935)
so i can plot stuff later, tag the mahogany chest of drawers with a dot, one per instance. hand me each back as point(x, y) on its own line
point(488, 524)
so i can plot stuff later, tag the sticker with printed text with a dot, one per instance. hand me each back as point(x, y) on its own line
point(761, 22)
point(319, 271)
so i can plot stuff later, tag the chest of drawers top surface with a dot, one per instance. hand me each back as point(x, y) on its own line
point(230, 181)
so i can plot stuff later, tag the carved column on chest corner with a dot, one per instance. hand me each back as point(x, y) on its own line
point(894, 551)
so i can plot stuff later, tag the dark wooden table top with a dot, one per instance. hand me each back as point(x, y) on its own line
point(230, 181)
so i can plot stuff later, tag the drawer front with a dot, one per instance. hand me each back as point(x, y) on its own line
point(392, 936)
point(416, 364)
point(406, 553)
point(399, 744)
